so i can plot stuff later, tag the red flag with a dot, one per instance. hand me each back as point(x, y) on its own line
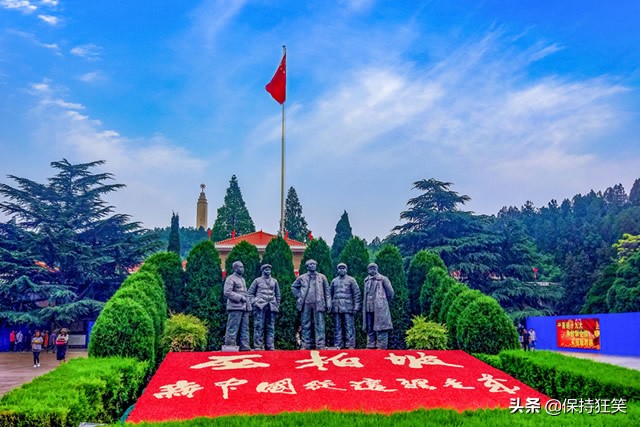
point(277, 87)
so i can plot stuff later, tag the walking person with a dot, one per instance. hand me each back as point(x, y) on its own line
point(525, 340)
point(52, 341)
point(45, 337)
point(12, 340)
point(532, 339)
point(62, 341)
point(19, 341)
point(36, 348)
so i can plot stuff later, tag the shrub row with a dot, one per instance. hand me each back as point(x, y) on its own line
point(566, 377)
point(97, 390)
point(132, 321)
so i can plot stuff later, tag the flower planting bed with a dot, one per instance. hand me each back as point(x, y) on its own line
point(212, 384)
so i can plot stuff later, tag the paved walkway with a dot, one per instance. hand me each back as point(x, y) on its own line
point(17, 368)
point(625, 361)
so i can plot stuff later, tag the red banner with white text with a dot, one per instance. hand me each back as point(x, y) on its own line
point(211, 384)
point(578, 333)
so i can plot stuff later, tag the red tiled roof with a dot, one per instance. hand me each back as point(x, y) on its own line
point(257, 238)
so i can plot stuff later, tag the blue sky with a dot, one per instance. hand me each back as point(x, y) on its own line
point(509, 100)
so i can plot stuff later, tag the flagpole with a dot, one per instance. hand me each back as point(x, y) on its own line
point(284, 51)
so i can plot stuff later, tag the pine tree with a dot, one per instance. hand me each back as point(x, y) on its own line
point(343, 234)
point(63, 249)
point(294, 222)
point(174, 235)
point(634, 194)
point(248, 254)
point(232, 215)
point(389, 263)
point(419, 267)
point(204, 298)
point(278, 254)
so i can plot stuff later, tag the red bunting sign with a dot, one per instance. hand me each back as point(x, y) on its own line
point(211, 384)
point(578, 333)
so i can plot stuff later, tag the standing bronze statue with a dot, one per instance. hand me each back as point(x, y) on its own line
point(311, 290)
point(345, 303)
point(265, 296)
point(378, 294)
point(238, 308)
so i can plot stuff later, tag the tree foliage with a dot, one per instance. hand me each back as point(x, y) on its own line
point(318, 249)
point(174, 235)
point(63, 250)
point(204, 298)
point(356, 256)
point(421, 263)
point(343, 234)
point(294, 221)
point(232, 215)
point(169, 266)
point(278, 254)
point(248, 254)
point(389, 263)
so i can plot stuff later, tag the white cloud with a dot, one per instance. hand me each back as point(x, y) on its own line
point(89, 51)
point(212, 17)
point(92, 77)
point(51, 3)
point(357, 5)
point(21, 5)
point(49, 19)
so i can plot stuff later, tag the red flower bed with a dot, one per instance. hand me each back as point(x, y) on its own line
point(189, 385)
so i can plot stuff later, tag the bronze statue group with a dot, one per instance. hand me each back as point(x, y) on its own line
point(315, 296)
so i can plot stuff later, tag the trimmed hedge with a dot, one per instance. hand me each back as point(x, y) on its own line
point(124, 329)
point(169, 266)
point(449, 297)
point(566, 377)
point(97, 390)
point(484, 327)
point(461, 302)
point(438, 283)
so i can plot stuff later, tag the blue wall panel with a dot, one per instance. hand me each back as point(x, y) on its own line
point(619, 333)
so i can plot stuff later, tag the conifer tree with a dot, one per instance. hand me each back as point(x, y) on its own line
point(248, 254)
point(343, 234)
point(294, 222)
point(204, 297)
point(174, 235)
point(169, 266)
point(318, 250)
point(232, 215)
point(419, 267)
point(389, 263)
point(634, 194)
point(278, 254)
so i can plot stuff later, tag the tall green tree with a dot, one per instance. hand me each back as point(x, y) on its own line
point(174, 235)
point(278, 254)
point(389, 263)
point(419, 267)
point(204, 298)
point(63, 247)
point(343, 234)
point(248, 254)
point(634, 194)
point(294, 221)
point(232, 215)
point(169, 266)
point(318, 250)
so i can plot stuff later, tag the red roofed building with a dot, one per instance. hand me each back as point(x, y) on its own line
point(260, 239)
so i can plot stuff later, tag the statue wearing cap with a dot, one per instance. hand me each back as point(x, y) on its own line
point(311, 290)
point(345, 302)
point(378, 294)
point(265, 296)
point(238, 308)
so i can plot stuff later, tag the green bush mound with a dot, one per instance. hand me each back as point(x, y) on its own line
point(426, 335)
point(435, 417)
point(435, 287)
point(184, 331)
point(136, 294)
point(97, 390)
point(150, 283)
point(459, 304)
point(566, 377)
point(484, 327)
point(449, 297)
point(123, 329)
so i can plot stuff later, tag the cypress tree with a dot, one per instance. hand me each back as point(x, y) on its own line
point(343, 234)
point(294, 221)
point(278, 254)
point(318, 250)
point(169, 266)
point(634, 194)
point(356, 256)
point(204, 297)
point(248, 254)
point(421, 263)
point(174, 235)
point(232, 215)
point(389, 263)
